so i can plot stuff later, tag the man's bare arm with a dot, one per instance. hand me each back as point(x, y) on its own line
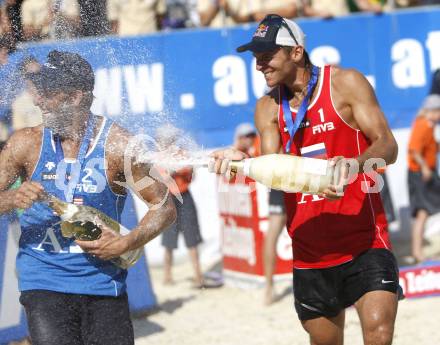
point(207, 16)
point(161, 213)
point(357, 93)
point(266, 121)
point(12, 166)
point(146, 184)
point(287, 11)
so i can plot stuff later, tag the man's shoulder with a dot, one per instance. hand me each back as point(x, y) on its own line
point(348, 80)
point(24, 142)
point(271, 98)
point(119, 140)
point(345, 75)
point(28, 134)
point(119, 133)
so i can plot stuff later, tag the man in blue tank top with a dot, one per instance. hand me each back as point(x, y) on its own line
point(71, 291)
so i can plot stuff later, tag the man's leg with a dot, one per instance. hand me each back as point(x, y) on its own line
point(371, 284)
point(169, 242)
point(417, 235)
point(276, 225)
point(189, 226)
point(168, 264)
point(53, 318)
point(318, 304)
point(377, 312)
point(194, 256)
point(106, 320)
point(326, 331)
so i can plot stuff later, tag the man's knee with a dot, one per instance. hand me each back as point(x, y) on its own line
point(324, 333)
point(379, 334)
point(330, 339)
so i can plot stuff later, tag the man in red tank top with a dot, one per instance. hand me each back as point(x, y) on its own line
point(340, 240)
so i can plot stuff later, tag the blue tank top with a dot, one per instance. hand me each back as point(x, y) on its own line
point(48, 261)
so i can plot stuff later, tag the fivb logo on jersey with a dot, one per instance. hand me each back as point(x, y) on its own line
point(90, 180)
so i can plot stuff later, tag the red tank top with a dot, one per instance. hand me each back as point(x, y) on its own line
point(328, 233)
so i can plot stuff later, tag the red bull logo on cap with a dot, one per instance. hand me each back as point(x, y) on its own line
point(261, 30)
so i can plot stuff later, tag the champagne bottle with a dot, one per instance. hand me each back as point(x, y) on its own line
point(82, 222)
point(287, 172)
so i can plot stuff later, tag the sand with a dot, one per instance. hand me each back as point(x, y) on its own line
point(229, 315)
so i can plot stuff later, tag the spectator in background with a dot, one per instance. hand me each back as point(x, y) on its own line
point(387, 202)
point(284, 8)
point(5, 27)
point(246, 140)
point(6, 46)
point(54, 19)
point(65, 20)
point(366, 5)
point(424, 184)
point(13, 13)
point(181, 14)
point(428, 2)
point(8, 89)
point(435, 85)
point(36, 18)
point(406, 3)
point(135, 17)
point(186, 222)
point(323, 8)
point(223, 13)
point(277, 222)
point(24, 112)
point(93, 17)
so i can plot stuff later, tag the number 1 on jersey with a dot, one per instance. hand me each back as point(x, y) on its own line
point(321, 115)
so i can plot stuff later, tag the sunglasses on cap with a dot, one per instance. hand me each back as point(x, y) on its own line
point(278, 21)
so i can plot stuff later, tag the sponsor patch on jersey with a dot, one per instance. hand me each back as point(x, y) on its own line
point(52, 176)
point(314, 151)
point(302, 125)
point(49, 177)
point(49, 166)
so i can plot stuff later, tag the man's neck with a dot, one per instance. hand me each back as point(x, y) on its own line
point(76, 131)
point(297, 84)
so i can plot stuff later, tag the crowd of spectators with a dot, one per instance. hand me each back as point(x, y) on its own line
point(33, 20)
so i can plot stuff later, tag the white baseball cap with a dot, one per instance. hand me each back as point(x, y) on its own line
point(431, 102)
point(244, 129)
point(272, 32)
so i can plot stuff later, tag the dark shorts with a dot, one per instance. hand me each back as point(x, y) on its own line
point(186, 223)
point(66, 319)
point(423, 195)
point(276, 202)
point(326, 292)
